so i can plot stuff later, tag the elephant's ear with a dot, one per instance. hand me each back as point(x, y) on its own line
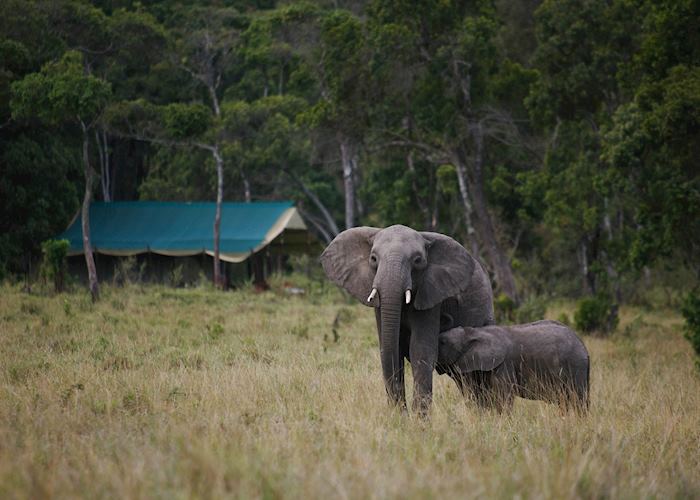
point(448, 273)
point(346, 262)
point(482, 350)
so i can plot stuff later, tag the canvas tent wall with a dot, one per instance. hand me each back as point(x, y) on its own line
point(150, 229)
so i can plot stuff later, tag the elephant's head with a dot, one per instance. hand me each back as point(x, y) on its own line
point(465, 350)
point(396, 266)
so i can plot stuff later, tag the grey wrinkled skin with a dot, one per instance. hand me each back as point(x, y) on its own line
point(544, 360)
point(448, 288)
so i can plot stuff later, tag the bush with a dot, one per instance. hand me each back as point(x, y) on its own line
point(597, 313)
point(532, 309)
point(504, 308)
point(54, 263)
point(691, 313)
point(507, 311)
point(564, 319)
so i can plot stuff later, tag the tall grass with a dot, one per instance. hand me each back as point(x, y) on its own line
point(162, 393)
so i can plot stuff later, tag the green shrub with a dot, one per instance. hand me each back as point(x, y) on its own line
point(597, 313)
point(532, 309)
point(564, 318)
point(54, 263)
point(504, 308)
point(507, 311)
point(691, 313)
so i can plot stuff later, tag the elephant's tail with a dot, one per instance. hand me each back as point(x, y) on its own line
point(587, 394)
point(588, 381)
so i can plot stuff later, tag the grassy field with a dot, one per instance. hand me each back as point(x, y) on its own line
point(164, 393)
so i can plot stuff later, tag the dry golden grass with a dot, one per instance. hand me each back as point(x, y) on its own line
point(161, 393)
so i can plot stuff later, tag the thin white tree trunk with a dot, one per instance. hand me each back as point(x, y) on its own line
point(461, 169)
point(85, 218)
point(218, 279)
point(246, 187)
point(346, 155)
point(328, 219)
point(359, 206)
point(105, 174)
point(219, 161)
point(108, 168)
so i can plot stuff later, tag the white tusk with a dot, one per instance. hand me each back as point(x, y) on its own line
point(372, 295)
point(408, 296)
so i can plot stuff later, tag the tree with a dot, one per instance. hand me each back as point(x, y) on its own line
point(204, 51)
point(64, 92)
point(434, 64)
point(582, 49)
point(652, 143)
point(325, 50)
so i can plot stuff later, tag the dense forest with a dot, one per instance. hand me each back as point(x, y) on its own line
point(558, 139)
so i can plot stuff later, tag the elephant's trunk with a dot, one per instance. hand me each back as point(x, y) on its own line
point(392, 364)
point(392, 281)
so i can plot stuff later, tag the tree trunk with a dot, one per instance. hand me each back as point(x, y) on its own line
point(218, 279)
point(466, 203)
point(359, 206)
point(323, 231)
point(331, 225)
point(258, 265)
point(346, 158)
point(496, 255)
point(105, 173)
point(589, 282)
point(246, 187)
point(85, 216)
point(422, 205)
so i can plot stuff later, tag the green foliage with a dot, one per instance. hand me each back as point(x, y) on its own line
point(186, 120)
point(691, 313)
point(447, 179)
point(589, 111)
point(504, 308)
point(39, 183)
point(54, 263)
point(652, 142)
point(531, 309)
point(61, 92)
point(596, 313)
point(564, 319)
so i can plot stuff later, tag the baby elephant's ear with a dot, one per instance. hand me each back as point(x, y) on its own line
point(346, 262)
point(482, 350)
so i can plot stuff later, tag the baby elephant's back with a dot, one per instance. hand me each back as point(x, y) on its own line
point(547, 339)
point(551, 348)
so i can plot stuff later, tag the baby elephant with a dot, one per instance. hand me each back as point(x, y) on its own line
point(543, 360)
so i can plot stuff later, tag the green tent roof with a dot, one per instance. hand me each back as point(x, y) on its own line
point(177, 228)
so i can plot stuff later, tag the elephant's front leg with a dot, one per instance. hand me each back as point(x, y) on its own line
point(425, 326)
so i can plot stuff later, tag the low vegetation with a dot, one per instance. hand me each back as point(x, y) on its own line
point(175, 393)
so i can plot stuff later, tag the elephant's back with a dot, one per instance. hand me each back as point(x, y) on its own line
point(474, 306)
point(550, 342)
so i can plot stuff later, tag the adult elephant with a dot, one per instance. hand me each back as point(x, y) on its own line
point(413, 280)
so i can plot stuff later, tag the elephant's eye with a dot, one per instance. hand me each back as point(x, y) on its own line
point(419, 261)
point(373, 259)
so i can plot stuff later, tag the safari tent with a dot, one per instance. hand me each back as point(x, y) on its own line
point(174, 241)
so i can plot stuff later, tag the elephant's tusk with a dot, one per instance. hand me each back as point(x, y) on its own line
point(408, 296)
point(372, 295)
